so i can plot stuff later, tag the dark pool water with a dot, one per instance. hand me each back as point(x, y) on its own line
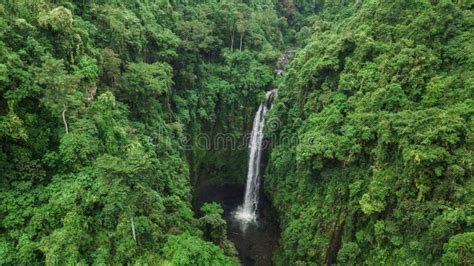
point(255, 242)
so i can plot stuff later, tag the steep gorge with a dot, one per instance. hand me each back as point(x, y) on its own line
point(369, 159)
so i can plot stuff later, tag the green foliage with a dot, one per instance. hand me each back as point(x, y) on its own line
point(212, 209)
point(59, 87)
point(143, 84)
point(95, 97)
point(347, 255)
point(459, 250)
point(190, 250)
point(214, 227)
point(12, 126)
point(383, 168)
point(124, 81)
point(59, 19)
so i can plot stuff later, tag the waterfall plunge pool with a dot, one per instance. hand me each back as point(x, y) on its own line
point(257, 242)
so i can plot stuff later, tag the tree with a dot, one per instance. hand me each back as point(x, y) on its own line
point(459, 250)
point(59, 87)
point(110, 68)
point(143, 85)
point(242, 23)
point(213, 226)
point(189, 250)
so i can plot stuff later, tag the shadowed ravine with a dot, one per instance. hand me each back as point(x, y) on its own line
point(257, 243)
point(251, 224)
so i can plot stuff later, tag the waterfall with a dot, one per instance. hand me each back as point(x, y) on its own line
point(248, 211)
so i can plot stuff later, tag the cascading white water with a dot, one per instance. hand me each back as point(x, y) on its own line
point(248, 211)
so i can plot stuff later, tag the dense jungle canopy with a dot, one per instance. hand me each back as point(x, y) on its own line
point(101, 102)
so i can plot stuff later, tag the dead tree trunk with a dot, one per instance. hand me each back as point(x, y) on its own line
point(133, 230)
point(64, 119)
